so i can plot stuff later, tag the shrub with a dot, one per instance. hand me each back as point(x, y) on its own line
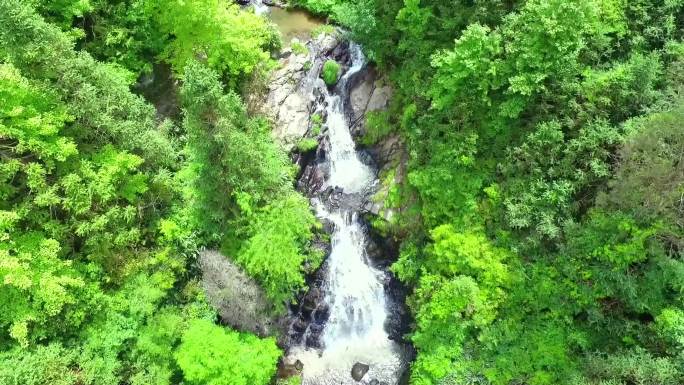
point(307, 144)
point(331, 71)
point(298, 48)
point(325, 29)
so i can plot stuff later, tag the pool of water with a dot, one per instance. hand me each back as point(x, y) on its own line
point(293, 23)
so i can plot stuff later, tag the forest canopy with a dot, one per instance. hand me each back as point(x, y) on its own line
point(540, 212)
point(104, 200)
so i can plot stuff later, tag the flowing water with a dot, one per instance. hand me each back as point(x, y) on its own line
point(354, 290)
point(355, 330)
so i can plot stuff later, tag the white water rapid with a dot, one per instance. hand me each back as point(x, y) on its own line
point(259, 7)
point(354, 332)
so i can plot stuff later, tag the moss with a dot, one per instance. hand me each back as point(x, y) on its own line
point(316, 124)
point(299, 48)
point(331, 71)
point(294, 380)
point(378, 127)
point(307, 144)
point(325, 29)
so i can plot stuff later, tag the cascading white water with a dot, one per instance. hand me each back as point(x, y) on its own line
point(259, 7)
point(354, 290)
point(346, 170)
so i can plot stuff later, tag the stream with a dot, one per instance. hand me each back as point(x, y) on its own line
point(342, 337)
point(354, 290)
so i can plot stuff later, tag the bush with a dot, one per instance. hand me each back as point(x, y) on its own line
point(298, 48)
point(325, 29)
point(306, 145)
point(212, 355)
point(331, 71)
point(277, 254)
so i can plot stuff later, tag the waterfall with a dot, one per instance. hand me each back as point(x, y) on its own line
point(353, 288)
point(259, 7)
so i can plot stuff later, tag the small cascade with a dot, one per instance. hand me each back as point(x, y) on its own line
point(354, 291)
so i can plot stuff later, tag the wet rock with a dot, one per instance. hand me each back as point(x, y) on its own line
point(240, 301)
point(372, 207)
point(299, 325)
point(374, 382)
point(341, 55)
point(398, 322)
point(321, 315)
point(359, 370)
point(327, 42)
point(361, 92)
point(314, 342)
point(380, 98)
point(313, 339)
point(312, 299)
point(289, 369)
point(375, 253)
point(316, 329)
point(389, 150)
point(311, 181)
point(333, 197)
point(328, 225)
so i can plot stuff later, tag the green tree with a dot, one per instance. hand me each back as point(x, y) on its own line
point(212, 355)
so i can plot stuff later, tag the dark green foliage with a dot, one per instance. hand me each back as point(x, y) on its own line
point(44, 365)
point(541, 209)
point(223, 143)
point(97, 240)
point(242, 188)
point(541, 213)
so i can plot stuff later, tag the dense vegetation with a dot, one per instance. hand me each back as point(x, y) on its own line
point(541, 212)
point(542, 217)
point(104, 203)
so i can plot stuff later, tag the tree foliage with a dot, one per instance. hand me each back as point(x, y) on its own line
point(97, 241)
point(540, 216)
point(211, 355)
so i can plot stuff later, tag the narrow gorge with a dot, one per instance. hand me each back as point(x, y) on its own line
point(339, 333)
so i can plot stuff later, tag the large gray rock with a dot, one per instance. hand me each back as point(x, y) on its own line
point(370, 93)
point(290, 101)
point(359, 370)
point(240, 301)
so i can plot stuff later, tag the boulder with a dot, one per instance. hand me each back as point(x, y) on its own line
point(361, 92)
point(313, 298)
point(299, 325)
point(288, 101)
point(288, 368)
point(359, 370)
point(241, 302)
point(369, 93)
point(321, 315)
point(380, 98)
